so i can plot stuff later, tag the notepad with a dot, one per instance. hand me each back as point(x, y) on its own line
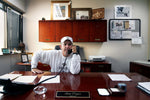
point(119, 77)
point(25, 79)
point(10, 76)
point(53, 80)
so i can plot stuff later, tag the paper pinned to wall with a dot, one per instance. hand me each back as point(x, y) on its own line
point(137, 40)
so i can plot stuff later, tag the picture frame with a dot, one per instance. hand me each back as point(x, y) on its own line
point(123, 11)
point(24, 58)
point(60, 10)
point(5, 51)
point(30, 55)
point(98, 13)
point(81, 13)
point(124, 29)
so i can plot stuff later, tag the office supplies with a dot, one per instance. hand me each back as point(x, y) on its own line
point(103, 92)
point(119, 77)
point(54, 80)
point(116, 91)
point(122, 86)
point(144, 86)
point(10, 76)
point(24, 79)
point(97, 58)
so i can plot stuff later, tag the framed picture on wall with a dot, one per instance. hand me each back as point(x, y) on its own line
point(81, 13)
point(24, 58)
point(123, 11)
point(60, 10)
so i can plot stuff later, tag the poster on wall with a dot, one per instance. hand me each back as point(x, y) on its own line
point(123, 11)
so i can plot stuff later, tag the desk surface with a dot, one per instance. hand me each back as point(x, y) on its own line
point(84, 82)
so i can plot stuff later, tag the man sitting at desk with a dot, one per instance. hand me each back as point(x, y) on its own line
point(56, 58)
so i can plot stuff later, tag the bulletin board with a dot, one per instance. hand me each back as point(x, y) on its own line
point(124, 29)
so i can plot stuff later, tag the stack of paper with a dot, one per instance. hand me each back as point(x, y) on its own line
point(144, 86)
point(25, 79)
point(119, 77)
point(10, 76)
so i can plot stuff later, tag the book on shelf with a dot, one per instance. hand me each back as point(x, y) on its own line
point(144, 86)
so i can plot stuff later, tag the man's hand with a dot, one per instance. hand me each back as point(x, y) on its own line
point(74, 50)
point(37, 71)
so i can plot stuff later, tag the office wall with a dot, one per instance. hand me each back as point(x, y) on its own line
point(120, 53)
point(149, 34)
point(8, 63)
point(18, 3)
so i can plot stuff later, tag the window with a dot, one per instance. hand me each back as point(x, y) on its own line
point(2, 28)
point(11, 26)
point(12, 29)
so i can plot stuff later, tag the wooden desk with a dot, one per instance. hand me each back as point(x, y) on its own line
point(85, 66)
point(140, 68)
point(24, 65)
point(40, 66)
point(103, 66)
point(85, 82)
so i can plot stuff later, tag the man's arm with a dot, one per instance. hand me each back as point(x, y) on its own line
point(34, 63)
point(75, 64)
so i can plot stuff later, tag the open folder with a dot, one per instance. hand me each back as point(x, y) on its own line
point(22, 84)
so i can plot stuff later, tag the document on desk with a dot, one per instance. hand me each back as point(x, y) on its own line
point(53, 80)
point(144, 86)
point(10, 76)
point(25, 79)
point(119, 77)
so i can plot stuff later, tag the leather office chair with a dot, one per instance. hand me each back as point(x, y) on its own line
point(43, 67)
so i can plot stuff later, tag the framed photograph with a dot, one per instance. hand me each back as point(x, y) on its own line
point(124, 29)
point(24, 58)
point(30, 54)
point(98, 13)
point(81, 13)
point(123, 11)
point(60, 10)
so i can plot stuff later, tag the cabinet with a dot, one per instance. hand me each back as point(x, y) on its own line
point(63, 28)
point(79, 30)
point(95, 66)
point(47, 31)
point(141, 68)
point(98, 31)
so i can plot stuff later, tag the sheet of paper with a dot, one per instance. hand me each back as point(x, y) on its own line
point(10, 76)
point(25, 79)
point(53, 80)
point(137, 40)
point(145, 85)
point(119, 77)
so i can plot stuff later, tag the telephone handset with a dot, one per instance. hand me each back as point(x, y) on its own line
point(69, 51)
